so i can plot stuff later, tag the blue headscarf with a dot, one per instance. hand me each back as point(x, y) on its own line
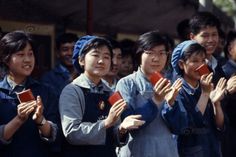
point(178, 54)
point(78, 49)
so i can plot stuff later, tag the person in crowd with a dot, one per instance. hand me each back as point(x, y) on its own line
point(154, 137)
point(229, 141)
point(168, 70)
point(26, 128)
point(111, 78)
point(204, 29)
point(127, 62)
point(219, 53)
point(196, 116)
point(2, 70)
point(90, 124)
point(230, 67)
point(60, 76)
point(183, 30)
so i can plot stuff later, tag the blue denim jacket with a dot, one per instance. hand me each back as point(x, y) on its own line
point(153, 139)
point(27, 141)
point(137, 91)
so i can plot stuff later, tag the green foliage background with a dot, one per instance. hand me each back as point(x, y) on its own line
point(227, 6)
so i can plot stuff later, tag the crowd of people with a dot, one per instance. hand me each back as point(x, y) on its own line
point(184, 113)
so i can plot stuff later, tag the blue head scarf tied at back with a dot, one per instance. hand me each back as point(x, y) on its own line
point(178, 54)
point(78, 49)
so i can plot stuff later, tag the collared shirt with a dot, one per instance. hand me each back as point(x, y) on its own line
point(154, 138)
point(72, 108)
point(85, 82)
point(112, 86)
point(48, 98)
point(185, 117)
point(15, 87)
point(212, 63)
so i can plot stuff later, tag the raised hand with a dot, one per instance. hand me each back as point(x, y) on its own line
point(206, 84)
point(24, 110)
point(231, 85)
point(38, 114)
point(218, 93)
point(161, 88)
point(114, 113)
point(131, 122)
point(171, 96)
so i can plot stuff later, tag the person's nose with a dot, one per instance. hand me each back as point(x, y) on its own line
point(100, 60)
point(114, 61)
point(27, 58)
point(156, 57)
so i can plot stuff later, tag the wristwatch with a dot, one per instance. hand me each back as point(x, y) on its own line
point(42, 122)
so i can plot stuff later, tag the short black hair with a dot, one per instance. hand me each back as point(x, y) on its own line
point(201, 20)
point(65, 38)
point(147, 41)
point(193, 49)
point(231, 36)
point(183, 29)
point(96, 43)
point(13, 42)
point(114, 43)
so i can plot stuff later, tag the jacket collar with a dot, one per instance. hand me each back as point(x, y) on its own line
point(83, 81)
point(189, 89)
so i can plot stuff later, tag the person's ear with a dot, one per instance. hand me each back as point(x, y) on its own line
point(230, 50)
point(81, 61)
point(192, 36)
point(181, 64)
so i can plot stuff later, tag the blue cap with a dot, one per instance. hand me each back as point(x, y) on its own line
point(178, 54)
point(78, 49)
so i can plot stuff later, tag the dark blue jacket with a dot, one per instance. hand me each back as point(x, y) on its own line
point(57, 78)
point(26, 142)
point(197, 133)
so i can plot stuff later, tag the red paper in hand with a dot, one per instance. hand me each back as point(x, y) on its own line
point(156, 76)
point(114, 98)
point(25, 96)
point(203, 69)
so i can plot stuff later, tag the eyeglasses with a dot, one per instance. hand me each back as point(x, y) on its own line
point(160, 53)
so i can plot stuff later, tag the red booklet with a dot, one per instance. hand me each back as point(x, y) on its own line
point(25, 96)
point(203, 69)
point(114, 98)
point(156, 76)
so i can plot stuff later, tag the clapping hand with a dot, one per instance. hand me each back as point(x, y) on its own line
point(161, 88)
point(231, 85)
point(25, 109)
point(206, 84)
point(114, 113)
point(38, 114)
point(175, 88)
point(132, 122)
point(218, 93)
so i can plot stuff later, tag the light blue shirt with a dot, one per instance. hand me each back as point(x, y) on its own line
point(155, 139)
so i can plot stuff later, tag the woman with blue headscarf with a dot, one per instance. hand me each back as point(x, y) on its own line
point(90, 124)
point(196, 116)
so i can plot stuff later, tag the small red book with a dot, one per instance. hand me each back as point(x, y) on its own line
point(203, 69)
point(156, 76)
point(25, 96)
point(114, 98)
